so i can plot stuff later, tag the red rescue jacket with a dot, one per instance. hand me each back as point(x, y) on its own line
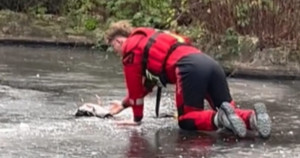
point(154, 51)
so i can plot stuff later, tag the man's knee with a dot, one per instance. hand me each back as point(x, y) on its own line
point(187, 124)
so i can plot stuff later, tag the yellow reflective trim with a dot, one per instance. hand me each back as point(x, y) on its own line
point(140, 101)
point(179, 38)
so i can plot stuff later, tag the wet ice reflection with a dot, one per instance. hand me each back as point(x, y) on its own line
point(40, 89)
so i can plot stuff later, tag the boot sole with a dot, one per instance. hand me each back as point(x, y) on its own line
point(237, 124)
point(263, 121)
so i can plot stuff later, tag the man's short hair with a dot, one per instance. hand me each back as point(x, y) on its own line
point(120, 28)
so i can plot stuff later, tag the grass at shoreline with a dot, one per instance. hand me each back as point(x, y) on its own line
point(229, 47)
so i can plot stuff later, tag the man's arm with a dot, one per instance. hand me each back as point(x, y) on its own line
point(136, 91)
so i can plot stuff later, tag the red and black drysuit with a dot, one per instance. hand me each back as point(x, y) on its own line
point(175, 61)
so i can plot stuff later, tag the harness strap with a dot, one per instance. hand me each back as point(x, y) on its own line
point(147, 49)
point(163, 74)
point(158, 96)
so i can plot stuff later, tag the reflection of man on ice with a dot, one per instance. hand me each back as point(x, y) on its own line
point(153, 57)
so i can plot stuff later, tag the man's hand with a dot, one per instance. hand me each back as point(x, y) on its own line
point(116, 107)
point(128, 123)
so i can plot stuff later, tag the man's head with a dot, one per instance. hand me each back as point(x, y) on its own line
point(117, 34)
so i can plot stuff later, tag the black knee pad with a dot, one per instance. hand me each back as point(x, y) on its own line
point(187, 124)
